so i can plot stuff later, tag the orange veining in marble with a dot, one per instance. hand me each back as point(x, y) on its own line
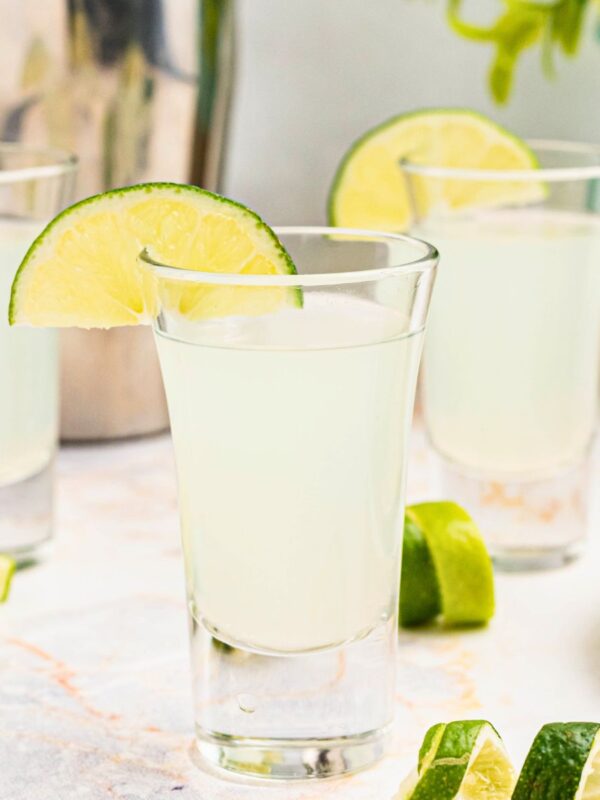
point(63, 676)
point(496, 495)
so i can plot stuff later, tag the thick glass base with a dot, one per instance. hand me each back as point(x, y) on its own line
point(523, 560)
point(528, 524)
point(292, 759)
point(26, 516)
point(304, 715)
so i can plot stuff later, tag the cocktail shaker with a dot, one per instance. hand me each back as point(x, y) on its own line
point(139, 90)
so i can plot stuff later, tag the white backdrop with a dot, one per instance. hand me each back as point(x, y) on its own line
point(312, 75)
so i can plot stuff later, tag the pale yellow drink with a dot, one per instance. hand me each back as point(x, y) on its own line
point(513, 344)
point(291, 432)
point(28, 372)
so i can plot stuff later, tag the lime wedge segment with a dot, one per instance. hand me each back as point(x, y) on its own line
point(462, 564)
point(83, 269)
point(7, 570)
point(563, 762)
point(420, 599)
point(461, 760)
point(369, 189)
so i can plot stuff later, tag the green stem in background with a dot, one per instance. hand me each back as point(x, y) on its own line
point(522, 24)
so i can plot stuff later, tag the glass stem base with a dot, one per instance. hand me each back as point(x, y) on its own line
point(26, 516)
point(309, 714)
point(527, 524)
point(289, 759)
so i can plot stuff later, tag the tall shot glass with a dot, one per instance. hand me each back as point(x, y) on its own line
point(512, 355)
point(290, 410)
point(35, 184)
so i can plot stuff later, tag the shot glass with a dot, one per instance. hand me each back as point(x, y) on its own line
point(35, 183)
point(290, 412)
point(512, 355)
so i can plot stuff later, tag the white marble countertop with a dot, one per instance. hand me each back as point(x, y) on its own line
point(94, 685)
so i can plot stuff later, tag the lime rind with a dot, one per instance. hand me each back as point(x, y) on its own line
point(462, 563)
point(459, 758)
point(426, 754)
point(115, 200)
point(466, 760)
point(431, 742)
point(420, 600)
point(407, 786)
point(560, 762)
point(7, 570)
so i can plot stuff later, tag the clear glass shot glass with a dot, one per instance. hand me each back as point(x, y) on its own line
point(35, 184)
point(290, 410)
point(512, 356)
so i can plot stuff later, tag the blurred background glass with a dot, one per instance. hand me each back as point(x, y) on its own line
point(512, 355)
point(35, 184)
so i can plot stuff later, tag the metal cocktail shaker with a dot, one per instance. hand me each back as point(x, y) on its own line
point(140, 90)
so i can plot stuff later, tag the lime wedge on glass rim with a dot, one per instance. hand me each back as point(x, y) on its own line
point(369, 189)
point(83, 269)
point(462, 760)
point(563, 763)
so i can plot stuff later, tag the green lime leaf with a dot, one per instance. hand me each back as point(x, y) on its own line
point(567, 24)
point(513, 33)
point(522, 25)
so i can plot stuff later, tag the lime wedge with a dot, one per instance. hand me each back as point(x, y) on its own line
point(563, 763)
point(419, 589)
point(7, 570)
point(83, 269)
point(369, 189)
point(462, 760)
point(462, 564)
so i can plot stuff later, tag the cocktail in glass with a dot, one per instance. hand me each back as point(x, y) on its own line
point(35, 184)
point(512, 357)
point(290, 416)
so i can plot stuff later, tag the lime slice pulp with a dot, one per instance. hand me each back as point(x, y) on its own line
point(83, 269)
point(370, 189)
point(461, 760)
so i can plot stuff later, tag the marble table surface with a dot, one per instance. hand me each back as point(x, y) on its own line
point(94, 681)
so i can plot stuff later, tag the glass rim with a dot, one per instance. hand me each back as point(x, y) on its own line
point(546, 174)
point(60, 162)
point(425, 263)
